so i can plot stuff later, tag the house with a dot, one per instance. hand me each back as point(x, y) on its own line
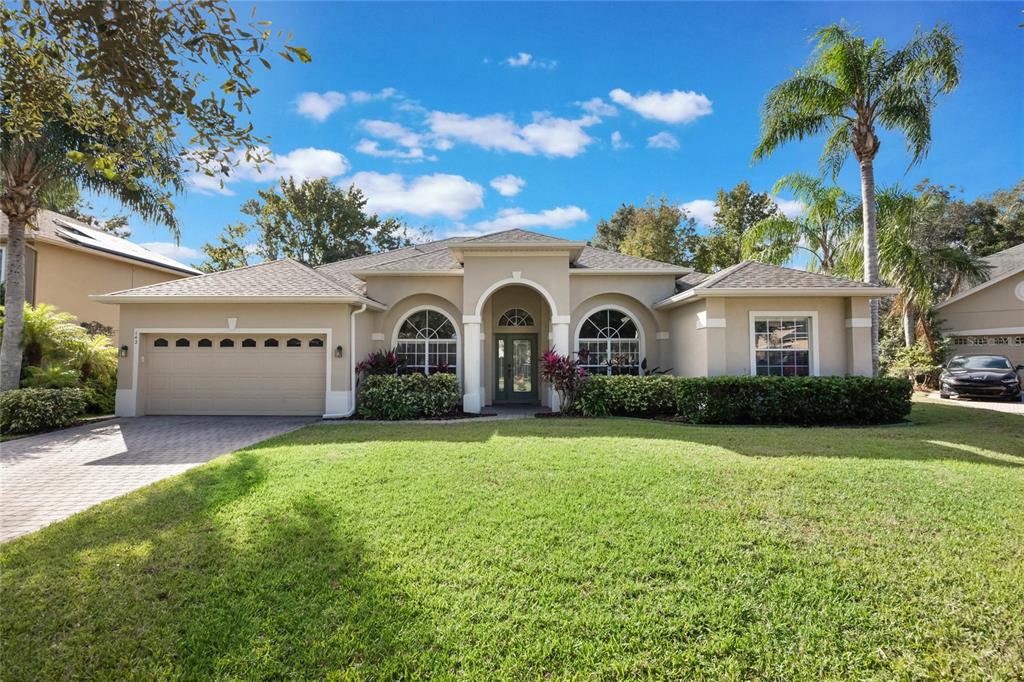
point(284, 338)
point(989, 318)
point(66, 261)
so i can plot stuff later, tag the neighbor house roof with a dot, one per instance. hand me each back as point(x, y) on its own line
point(1001, 265)
point(280, 280)
point(59, 229)
point(751, 278)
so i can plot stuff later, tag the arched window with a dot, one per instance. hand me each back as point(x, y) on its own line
point(205, 343)
point(427, 342)
point(160, 343)
point(293, 343)
point(182, 343)
point(316, 343)
point(270, 343)
point(249, 343)
point(609, 343)
point(515, 317)
point(227, 343)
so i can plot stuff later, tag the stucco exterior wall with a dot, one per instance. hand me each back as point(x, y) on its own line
point(390, 290)
point(67, 277)
point(998, 306)
point(688, 341)
point(482, 272)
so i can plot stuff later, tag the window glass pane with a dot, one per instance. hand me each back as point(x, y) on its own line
point(160, 343)
point(271, 343)
point(609, 343)
point(293, 343)
point(782, 346)
point(316, 343)
point(182, 343)
point(413, 325)
point(249, 343)
point(227, 343)
point(205, 343)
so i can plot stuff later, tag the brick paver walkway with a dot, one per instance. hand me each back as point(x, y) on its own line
point(49, 477)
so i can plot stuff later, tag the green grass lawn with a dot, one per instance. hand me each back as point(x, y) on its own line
point(567, 548)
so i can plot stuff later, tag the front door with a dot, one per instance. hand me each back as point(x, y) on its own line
point(515, 367)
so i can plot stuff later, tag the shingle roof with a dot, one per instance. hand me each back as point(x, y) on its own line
point(280, 278)
point(754, 275)
point(55, 226)
point(1005, 262)
point(690, 280)
point(514, 235)
point(441, 259)
point(593, 258)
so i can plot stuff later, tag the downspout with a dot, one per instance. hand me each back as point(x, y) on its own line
point(352, 360)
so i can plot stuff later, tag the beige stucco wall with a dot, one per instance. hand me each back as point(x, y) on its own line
point(67, 277)
point(549, 272)
point(688, 342)
point(997, 306)
point(334, 317)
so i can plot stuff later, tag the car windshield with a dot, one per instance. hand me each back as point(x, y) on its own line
point(980, 362)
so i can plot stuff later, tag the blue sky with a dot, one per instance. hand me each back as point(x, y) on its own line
point(466, 118)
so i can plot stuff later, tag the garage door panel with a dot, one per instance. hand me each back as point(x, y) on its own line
point(234, 380)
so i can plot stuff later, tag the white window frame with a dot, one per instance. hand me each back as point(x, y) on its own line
point(441, 311)
point(815, 368)
point(642, 339)
point(3, 264)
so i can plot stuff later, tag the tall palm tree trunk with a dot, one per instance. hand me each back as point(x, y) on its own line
point(909, 325)
point(14, 303)
point(867, 193)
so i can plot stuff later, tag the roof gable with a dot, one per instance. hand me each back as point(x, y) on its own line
point(515, 235)
point(1003, 264)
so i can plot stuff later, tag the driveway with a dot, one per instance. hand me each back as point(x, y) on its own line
point(1016, 407)
point(49, 477)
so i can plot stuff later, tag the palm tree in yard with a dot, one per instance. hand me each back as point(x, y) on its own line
point(908, 261)
point(819, 232)
point(849, 89)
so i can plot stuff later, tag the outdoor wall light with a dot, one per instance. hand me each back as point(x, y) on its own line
point(124, 351)
point(339, 352)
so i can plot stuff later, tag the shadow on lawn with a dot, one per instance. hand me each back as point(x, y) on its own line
point(163, 581)
point(936, 432)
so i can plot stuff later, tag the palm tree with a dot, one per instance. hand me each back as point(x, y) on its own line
point(820, 231)
point(909, 262)
point(29, 169)
point(848, 89)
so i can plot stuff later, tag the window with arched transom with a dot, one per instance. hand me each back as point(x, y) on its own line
point(428, 343)
point(609, 343)
point(515, 317)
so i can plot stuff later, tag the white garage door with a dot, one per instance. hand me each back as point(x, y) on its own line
point(1008, 345)
point(279, 374)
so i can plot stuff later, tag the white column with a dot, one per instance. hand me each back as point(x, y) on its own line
point(560, 343)
point(472, 397)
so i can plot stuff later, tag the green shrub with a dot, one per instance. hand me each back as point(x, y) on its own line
point(806, 401)
point(26, 410)
point(409, 396)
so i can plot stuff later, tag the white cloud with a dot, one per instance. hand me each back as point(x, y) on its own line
point(701, 209)
point(548, 135)
point(372, 148)
point(598, 107)
point(554, 218)
point(617, 141)
point(671, 107)
point(305, 163)
point(663, 140)
point(362, 97)
point(319, 107)
point(172, 250)
point(413, 142)
point(451, 196)
point(791, 208)
point(527, 60)
point(508, 185)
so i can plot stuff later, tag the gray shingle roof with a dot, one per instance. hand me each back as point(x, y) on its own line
point(514, 235)
point(55, 226)
point(1005, 262)
point(278, 278)
point(690, 280)
point(440, 259)
point(593, 258)
point(754, 275)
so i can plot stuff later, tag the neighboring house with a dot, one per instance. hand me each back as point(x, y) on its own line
point(66, 261)
point(284, 338)
point(989, 318)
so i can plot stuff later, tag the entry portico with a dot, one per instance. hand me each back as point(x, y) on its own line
point(484, 308)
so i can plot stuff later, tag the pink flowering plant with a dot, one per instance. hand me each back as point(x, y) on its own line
point(566, 374)
point(381, 362)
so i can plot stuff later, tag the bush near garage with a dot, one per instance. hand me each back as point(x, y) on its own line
point(409, 396)
point(803, 401)
point(27, 410)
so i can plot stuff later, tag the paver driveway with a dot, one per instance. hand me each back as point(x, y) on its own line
point(49, 477)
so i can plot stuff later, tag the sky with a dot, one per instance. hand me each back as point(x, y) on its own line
point(468, 118)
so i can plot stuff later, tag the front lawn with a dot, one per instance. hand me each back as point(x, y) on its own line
point(568, 548)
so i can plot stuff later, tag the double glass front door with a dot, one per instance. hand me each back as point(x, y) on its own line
point(515, 368)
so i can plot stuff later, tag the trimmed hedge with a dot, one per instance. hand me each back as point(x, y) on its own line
point(803, 401)
point(409, 396)
point(26, 410)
